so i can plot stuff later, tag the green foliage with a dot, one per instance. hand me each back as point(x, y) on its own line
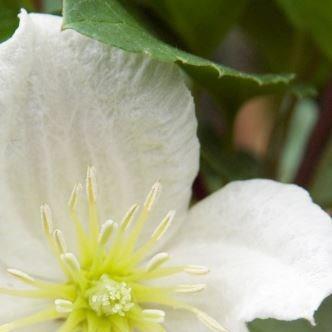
point(52, 6)
point(109, 22)
point(323, 319)
point(220, 164)
point(270, 32)
point(284, 46)
point(9, 10)
point(313, 17)
point(201, 24)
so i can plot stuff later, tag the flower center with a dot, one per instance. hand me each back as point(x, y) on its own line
point(107, 286)
point(108, 297)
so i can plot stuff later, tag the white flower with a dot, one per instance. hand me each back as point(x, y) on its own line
point(67, 102)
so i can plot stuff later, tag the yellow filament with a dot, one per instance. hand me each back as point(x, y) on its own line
point(92, 207)
point(42, 316)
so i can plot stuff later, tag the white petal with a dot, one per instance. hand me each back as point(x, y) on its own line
point(269, 249)
point(68, 102)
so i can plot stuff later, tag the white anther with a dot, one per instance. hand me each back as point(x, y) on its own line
point(60, 241)
point(128, 218)
point(196, 269)
point(157, 260)
point(190, 288)
point(71, 261)
point(63, 306)
point(91, 184)
point(46, 217)
point(163, 226)
point(74, 197)
point(209, 321)
point(152, 196)
point(21, 275)
point(155, 316)
point(106, 231)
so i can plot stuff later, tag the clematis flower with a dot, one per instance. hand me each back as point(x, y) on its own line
point(104, 262)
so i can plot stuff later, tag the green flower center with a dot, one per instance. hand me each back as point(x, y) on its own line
point(107, 285)
point(108, 297)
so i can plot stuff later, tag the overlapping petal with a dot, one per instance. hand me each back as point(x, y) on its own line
point(68, 102)
point(269, 248)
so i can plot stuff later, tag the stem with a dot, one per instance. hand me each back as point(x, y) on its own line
point(286, 108)
point(317, 141)
point(279, 135)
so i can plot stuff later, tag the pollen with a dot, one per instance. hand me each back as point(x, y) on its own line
point(111, 279)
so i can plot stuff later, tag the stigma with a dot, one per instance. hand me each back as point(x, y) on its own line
point(111, 280)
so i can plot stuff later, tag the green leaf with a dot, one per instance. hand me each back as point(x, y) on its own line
point(313, 17)
point(109, 22)
point(9, 10)
point(323, 319)
point(207, 24)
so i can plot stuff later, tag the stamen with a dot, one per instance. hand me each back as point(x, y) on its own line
point(156, 236)
point(196, 269)
point(152, 196)
point(163, 226)
point(60, 241)
point(154, 316)
point(106, 231)
point(46, 217)
point(33, 294)
point(209, 321)
point(72, 264)
point(73, 321)
point(127, 220)
point(190, 288)
point(21, 276)
point(91, 185)
point(80, 233)
point(143, 217)
point(157, 260)
point(74, 197)
point(63, 306)
point(91, 190)
point(45, 288)
point(116, 248)
point(39, 317)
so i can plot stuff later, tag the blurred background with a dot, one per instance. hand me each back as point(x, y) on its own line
point(283, 134)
